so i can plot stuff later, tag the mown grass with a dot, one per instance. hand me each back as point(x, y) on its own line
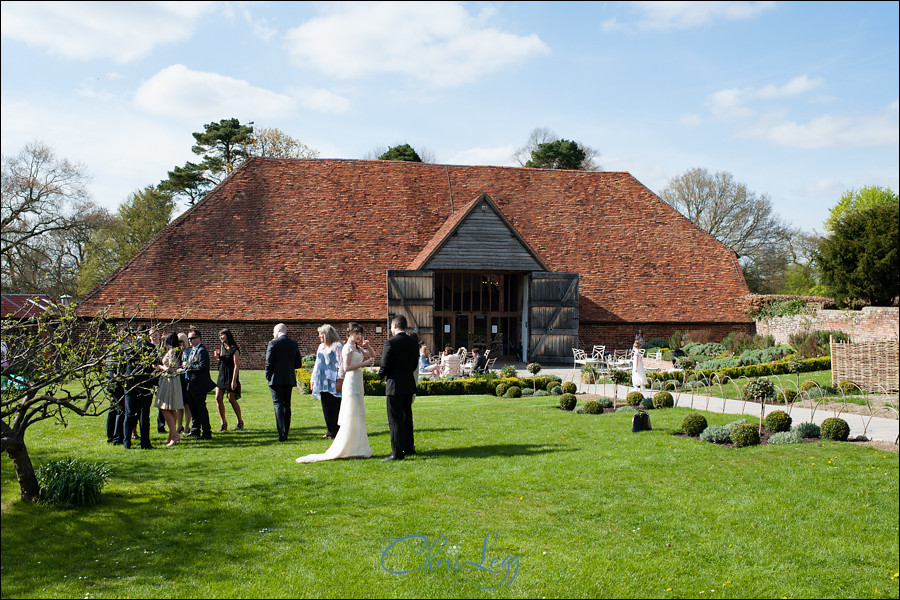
point(587, 509)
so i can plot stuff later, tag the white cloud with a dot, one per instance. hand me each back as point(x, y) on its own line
point(794, 87)
point(659, 16)
point(501, 156)
point(321, 101)
point(180, 92)
point(831, 132)
point(436, 42)
point(731, 103)
point(121, 31)
point(690, 120)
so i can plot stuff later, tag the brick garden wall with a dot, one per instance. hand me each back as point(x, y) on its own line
point(872, 323)
point(621, 335)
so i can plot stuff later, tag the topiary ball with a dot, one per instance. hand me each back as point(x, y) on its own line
point(744, 435)
point(693, 424)
point(835, 428)
point(634, 398)
point(759, 390)
point(663, 400)
point(848, 387)
point(646, 403)
point(592, 407)
point(513, 392)
point(569, 387)
point(787, 395)
point(567, 401)
point(501, 389)
point(777, 420)
point(807, 385)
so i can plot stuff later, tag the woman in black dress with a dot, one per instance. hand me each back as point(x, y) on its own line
point(229, 359)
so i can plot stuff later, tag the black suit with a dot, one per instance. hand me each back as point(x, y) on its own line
point(282, 360)
point(399, 360)
point(199, 385)
point(140, 379)
point(115, 418)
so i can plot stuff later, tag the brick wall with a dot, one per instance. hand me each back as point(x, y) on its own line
point(869, 324)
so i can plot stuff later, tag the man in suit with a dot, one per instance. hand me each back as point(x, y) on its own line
point(199, 385)
point(140, 379)
point(115, 387)
point(399, 360)
point(282, 360)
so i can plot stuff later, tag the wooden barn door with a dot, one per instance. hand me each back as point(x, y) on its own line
point(552, 316)
point(411, 294)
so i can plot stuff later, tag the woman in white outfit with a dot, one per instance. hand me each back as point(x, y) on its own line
point(351, 440)
point(638, 375)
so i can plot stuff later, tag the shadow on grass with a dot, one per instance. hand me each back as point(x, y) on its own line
point(491, 450)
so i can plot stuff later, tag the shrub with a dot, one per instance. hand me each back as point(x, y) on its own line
point(734, 424)
point(308, 361)
point(533, 368)
point(787, 395)
point(567, 401)
point(625, 409)
point(508, 371)
point(501, 389)
point(848, 387)
point(528, 391)
point(777, 421)
point(541, 393)
point(786, 437)
point(646, 403)
point(807, 385)
point(807, 430)
point(685, 362)
point(693, 424)
point(663, 400)
point(513, 392)
point(744, 435)
point(620, 377)
point(569, 387)
point(655, 344)
point(557, 390)
point(759, 390)
point(716, 434)
point(71, 482)
point(634, 398)
point(606, 402)
point(835, 428)
point(303, 379)
point(592, 407)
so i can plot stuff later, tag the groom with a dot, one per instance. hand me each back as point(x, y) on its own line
point(399, 360)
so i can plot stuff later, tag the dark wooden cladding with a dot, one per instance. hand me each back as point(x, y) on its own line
point(484, 242)
point(411, 294)
point(553, 315)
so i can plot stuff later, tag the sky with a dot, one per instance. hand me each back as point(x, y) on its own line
point(798, 100)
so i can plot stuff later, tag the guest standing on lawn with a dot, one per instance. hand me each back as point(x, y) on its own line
point(169, 398)
point(229, 366)
point(327, 378)
point(199, 385)
point(638, 375)
point(282, 360)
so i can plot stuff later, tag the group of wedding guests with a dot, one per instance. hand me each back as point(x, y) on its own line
point(177, 385)
point(450, 364)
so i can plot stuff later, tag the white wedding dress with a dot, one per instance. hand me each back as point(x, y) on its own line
point(351, 440)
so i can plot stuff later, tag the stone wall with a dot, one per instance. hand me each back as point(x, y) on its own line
point(621, 335)
point(869, 324)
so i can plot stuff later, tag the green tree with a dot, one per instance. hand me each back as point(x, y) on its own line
point(143, 215)
point(857, 200)
point(859, 259)
point(271, 142)
point(558, 154)
point(402, 152)
point(555, 151)
point(223, 146)
point(801, 277)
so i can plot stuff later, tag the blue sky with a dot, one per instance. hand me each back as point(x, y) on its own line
point(799, 100)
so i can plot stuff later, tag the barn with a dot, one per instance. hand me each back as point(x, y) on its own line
point(527, 262)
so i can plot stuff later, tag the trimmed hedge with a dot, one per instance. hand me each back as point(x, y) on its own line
point(779, 367)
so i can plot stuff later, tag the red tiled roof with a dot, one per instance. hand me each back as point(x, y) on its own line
point(23, 306)
point(313, 239)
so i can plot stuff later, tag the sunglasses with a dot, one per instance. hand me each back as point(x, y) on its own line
point(193, 337)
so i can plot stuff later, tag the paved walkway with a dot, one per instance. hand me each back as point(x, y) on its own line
point(874, 428)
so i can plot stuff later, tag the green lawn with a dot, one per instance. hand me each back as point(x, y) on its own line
point(559, 504)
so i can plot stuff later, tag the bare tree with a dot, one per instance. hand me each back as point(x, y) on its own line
point(47, 215)
point(275, 143)
point(543, 135)
point(739, 218)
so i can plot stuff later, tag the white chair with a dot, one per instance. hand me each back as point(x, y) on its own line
point(580, 359)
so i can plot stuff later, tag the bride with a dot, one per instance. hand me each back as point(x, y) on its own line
point(351, 440)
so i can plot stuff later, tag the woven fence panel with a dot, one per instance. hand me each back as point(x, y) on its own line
point(874, 366)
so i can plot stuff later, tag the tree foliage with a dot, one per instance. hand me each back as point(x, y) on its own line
point(546, 150)
point(739, 218)
point(143, 215)
point(47, 218)
point(403, 152)
point(56, 367)
point(859, 259)
point(223, 147)
point(856, 200)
